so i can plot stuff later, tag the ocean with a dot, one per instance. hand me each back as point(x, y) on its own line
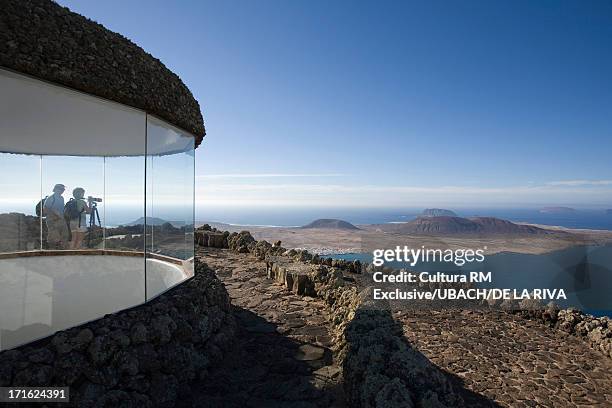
point(295, 216)
point(587, 218)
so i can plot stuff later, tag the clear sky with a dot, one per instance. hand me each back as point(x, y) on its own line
point(389, 103)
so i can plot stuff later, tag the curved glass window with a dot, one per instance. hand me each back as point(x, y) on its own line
point(96, 210)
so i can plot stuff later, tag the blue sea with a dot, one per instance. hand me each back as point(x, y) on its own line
point(581, 218)
point(294, 216)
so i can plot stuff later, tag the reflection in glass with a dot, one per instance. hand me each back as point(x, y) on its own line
point(125, 198)
point(82, 222)
point(20, 186)
point(116, 208)
point(170, 184)
point(43, 294)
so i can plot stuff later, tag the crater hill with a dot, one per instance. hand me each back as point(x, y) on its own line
point(150, 221)
point(330, 223)
point(460, 225)
point(437, 212)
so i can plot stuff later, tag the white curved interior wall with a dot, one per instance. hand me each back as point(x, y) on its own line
point(40, 118)
point(44, 294)
point(50, 134)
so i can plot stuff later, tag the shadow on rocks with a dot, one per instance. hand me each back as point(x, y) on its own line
point(382, 369)
point(265, 369)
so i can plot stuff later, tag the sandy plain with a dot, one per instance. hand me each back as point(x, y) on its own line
point(325, 241)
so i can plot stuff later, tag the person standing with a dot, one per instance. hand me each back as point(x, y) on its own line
point(76, 211)
point(57, 229)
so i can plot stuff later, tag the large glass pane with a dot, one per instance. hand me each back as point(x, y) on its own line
point(55, 272)
point(20, 186)
point(76, 280)
point(124, 230)
point(170, 187)
point(188, 210)
point(125, 200)
point(19, 233)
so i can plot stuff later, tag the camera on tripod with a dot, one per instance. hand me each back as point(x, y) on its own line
point(93, 217)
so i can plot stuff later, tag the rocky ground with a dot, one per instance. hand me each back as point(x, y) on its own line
point(509, 360)
point(282, 355)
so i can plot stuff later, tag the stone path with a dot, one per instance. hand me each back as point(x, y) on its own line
point(510, 360)
point(282, 355)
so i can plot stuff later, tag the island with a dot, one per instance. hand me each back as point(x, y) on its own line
point(460, 225)
point(496, 234)
point(150, 221)
point(558, 210)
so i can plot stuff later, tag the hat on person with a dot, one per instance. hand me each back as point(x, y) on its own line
point(78, 192)
point(59, 187)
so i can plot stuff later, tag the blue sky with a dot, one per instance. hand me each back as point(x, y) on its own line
point(333, 103)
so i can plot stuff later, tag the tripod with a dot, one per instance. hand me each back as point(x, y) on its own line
point(93, 216)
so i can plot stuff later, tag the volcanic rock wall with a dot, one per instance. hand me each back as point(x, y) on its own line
point(379, 367)
point(146, 356)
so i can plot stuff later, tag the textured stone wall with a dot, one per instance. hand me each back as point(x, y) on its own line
point(20, 232)
point(146, 356)
point(380, 369)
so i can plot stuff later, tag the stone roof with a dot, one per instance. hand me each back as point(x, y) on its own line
point(45, 40)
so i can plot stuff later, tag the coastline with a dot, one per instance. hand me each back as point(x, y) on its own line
point(325, 241)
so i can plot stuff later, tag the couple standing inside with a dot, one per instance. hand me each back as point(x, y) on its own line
point(66, 223)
